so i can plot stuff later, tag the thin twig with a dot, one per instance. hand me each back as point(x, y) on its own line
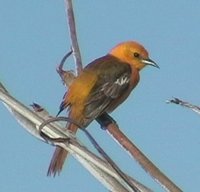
point(72, 31)
point(67, 76)
point(180, 102)
point(146, 164)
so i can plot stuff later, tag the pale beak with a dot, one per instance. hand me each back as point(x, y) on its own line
point(150, 62)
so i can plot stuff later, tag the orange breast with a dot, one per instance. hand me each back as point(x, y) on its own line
point(78, 93)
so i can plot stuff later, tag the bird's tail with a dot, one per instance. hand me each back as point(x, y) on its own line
point(59, 156)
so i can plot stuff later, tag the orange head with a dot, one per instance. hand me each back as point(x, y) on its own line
point(133, 53)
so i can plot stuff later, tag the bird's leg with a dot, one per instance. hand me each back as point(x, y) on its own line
point(104, 120)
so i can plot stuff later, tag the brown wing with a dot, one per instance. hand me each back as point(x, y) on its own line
point(113, 81)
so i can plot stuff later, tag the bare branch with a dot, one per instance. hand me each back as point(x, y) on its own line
point(66, 76)
point(72, 30)
point(180, 102)
point(146, 164)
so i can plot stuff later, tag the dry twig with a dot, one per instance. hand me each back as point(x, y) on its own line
point(72, 31)
point(188, 105)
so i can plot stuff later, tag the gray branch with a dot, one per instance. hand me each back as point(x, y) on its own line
point(96, 166)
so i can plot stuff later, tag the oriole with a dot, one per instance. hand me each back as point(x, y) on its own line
point(101, 87)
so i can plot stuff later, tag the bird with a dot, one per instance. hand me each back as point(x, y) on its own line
point(100, 88)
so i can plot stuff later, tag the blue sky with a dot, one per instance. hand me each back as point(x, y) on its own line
point(34, 37)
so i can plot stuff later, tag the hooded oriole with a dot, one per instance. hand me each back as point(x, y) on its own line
point(101, 86)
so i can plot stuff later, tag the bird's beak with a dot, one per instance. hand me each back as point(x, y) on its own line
point(150, 62)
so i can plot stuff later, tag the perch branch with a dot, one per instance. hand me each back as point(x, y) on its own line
point(145, 163)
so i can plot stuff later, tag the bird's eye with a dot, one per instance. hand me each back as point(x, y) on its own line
point(136, 54)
